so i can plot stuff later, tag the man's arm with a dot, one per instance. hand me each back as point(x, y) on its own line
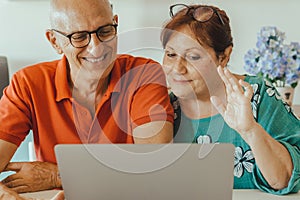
point(7, 151)
point(153, 132)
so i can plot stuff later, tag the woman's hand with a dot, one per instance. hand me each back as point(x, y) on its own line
point(236, 111)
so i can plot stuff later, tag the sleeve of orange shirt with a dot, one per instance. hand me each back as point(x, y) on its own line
point(15, 112)
point(151, 111)
point(144, 86)
point(151, 100)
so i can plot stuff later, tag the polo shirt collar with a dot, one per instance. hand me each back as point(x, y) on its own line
point(61, 80)
point(115, 77)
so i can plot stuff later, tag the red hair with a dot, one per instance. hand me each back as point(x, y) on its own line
point(211, 33)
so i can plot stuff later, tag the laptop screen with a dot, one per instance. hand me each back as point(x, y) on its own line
point(146, 171)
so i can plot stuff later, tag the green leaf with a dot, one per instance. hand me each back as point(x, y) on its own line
point(293, 85)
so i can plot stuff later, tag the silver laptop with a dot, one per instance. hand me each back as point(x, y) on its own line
point(146, 171)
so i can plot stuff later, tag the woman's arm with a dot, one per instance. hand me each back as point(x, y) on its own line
point(272, 158)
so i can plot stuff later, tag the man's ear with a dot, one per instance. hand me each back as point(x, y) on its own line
point(52, 39)
point(116, 19)
point(224, 58)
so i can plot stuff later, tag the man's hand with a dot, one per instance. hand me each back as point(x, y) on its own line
point(8, 194)
point(59, 196)
point(32, 176)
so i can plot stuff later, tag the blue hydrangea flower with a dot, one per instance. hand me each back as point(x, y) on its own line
point(277, 62)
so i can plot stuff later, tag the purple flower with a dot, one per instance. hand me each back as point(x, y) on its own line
point(277, 62)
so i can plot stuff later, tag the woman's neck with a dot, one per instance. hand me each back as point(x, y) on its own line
point(197, 109)
point(201, 107)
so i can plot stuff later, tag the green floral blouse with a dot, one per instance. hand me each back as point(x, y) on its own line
point(271, 112)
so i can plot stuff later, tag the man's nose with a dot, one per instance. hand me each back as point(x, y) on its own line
point(95, 44)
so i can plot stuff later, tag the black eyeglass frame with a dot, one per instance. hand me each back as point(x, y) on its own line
point(89, 34)
point(189, 8)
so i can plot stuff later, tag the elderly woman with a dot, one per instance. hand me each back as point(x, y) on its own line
point(213, 105)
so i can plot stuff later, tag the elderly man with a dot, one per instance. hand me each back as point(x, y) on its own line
point(91, 95)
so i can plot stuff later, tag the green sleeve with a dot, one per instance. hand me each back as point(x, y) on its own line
point(277, 118)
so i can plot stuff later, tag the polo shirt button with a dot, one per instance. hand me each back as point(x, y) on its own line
point(84, 112)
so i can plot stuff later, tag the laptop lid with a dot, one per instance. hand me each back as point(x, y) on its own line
point(146, 171)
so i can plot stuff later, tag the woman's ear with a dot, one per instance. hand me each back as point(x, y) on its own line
point(224, 58)
point(52, 39)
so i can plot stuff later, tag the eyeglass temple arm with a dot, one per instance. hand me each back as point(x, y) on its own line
point(220, 17)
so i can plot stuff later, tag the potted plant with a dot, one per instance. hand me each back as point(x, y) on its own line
point(277, 62)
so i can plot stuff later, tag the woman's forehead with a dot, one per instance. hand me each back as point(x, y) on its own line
point(184, 40)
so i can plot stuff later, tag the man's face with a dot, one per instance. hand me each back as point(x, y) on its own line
point(96, 59)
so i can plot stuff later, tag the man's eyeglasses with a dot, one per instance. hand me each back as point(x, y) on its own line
point(199, 13)
point(83, 38)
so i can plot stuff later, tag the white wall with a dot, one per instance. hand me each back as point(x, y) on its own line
point(23, 23)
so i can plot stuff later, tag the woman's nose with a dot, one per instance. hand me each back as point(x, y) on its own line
point(180, 66)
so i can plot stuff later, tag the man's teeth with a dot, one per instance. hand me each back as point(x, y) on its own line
point(94, 60)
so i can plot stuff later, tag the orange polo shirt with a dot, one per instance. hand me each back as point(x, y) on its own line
point(39, 99)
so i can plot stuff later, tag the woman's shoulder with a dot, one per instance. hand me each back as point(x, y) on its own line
point(259, 84)
point(254, 79)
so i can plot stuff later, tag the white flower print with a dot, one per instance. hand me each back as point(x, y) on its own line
point(268, 83)
point(175, 116)
point(242, 161)
point(255, 88)
point(271, 91)
point(204, 139)
point(255, 100)
point(176, 104)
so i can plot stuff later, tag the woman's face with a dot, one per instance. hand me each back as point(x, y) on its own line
point(191, 69)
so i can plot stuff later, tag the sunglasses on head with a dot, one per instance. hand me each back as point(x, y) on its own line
point(200, 13)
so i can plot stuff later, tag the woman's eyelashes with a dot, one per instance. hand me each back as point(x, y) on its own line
point(192, 56)
point(170, 54)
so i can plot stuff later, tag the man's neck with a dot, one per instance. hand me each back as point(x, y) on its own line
point(89, 92)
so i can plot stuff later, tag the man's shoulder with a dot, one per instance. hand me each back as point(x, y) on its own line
point(46, 68)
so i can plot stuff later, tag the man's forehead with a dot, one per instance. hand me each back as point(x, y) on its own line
point(81, 14)
point(80, 3)
point(80, 6)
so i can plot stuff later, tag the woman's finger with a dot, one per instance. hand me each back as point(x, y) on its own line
point(248, 89)
point(233, 81)
point(224, 79)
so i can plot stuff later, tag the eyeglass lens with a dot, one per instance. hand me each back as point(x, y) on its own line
point(104, 34)
point(201, 13)
point(178, 8)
